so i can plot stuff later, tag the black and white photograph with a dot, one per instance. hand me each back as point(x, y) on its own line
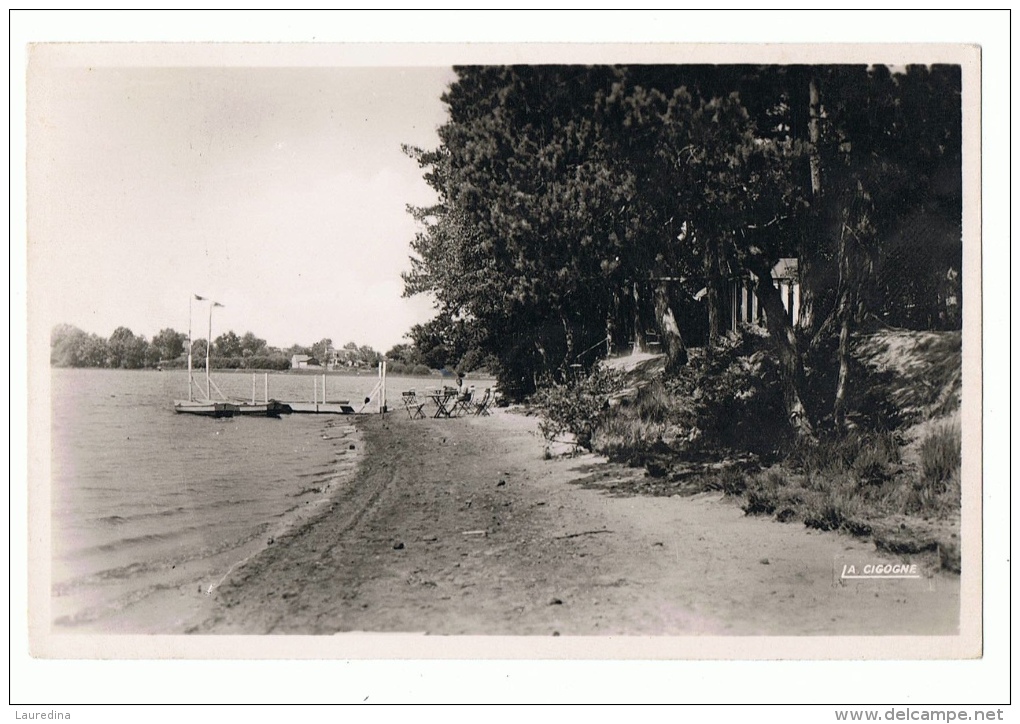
point(525, 351)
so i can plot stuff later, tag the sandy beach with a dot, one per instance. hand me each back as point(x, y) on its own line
point(461, 527)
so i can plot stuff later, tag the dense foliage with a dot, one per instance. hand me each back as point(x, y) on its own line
point(582, 209)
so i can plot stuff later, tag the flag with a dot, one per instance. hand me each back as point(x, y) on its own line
point(217, 304)
point(201, 299)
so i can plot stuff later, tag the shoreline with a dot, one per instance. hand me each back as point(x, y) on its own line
point(459, 527)
point(182, 596)
point(350, 447)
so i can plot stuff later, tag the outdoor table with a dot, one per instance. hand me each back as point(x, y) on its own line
point(442, 399)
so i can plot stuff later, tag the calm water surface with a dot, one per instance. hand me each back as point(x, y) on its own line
point(151, 509)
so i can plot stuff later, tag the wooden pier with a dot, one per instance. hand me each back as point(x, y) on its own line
point(223, 407)
point(340, 407)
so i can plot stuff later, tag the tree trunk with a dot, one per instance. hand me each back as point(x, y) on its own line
point(640, 343)
point(568, 337)
point(670, 337)
point(808, 284)
point(612, 324)
point(810, 242)
point(541, 353)
point(815, 136)
point(839, 405)
point(713, 279)
point(785, 338)
point(854, 269)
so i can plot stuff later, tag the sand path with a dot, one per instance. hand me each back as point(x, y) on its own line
point(460, 527)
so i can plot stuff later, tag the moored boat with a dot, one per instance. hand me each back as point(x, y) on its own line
point(206, 408)
point(339, 407)
point(225, 407)
point(271, 408)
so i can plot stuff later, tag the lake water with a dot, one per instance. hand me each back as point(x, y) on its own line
point(152, 509)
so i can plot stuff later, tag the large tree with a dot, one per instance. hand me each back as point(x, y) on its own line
point(169, 344)
point(577, 204)
point(322, 349)
point(227, 345)
point(526, 246)
point(126, 350)
point(252, 346)
point(72, 347)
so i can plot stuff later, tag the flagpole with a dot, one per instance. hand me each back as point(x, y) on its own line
point(190, 344)
point(208, 349)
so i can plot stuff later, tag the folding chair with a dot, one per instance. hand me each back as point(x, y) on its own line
point(414, 406)
point(482, 406)
point(463, 404)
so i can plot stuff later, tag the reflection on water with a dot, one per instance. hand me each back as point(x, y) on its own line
point(150, 509)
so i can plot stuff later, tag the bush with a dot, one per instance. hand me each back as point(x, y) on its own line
point(940, 457)
point(397, 367)
point(875, 459)
point(762, 496)
point(936, 488)
point(724, 401)
point(655, 420)
point(733, 482)
point(274, 363)
point(579, 406)
point(834, 516)
point(267, 363)
point(868, 456)
point(652, 404)
point(734, 396)
point(839, 508)
point(760, 501)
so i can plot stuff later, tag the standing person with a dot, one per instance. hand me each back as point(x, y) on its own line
point(460, 382)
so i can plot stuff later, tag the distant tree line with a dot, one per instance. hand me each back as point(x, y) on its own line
point(583, 204)
point(73, 347)
point(441, 344)
point(429, 350)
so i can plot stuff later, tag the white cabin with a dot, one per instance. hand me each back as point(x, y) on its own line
point(744, 307)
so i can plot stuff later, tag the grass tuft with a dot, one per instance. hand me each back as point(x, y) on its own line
point(940, 458)
point(763, 494)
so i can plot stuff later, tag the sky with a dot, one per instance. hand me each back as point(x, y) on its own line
point(279, 191)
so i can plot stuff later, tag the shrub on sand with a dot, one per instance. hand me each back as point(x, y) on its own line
point(875, 459)
point(838, 509)
point(653, 421)
point(733, 481)
point(577, 407)
point(735, 396)
point(763, 495)
point(940, 457)
point(935, 488)
point(868, 456)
